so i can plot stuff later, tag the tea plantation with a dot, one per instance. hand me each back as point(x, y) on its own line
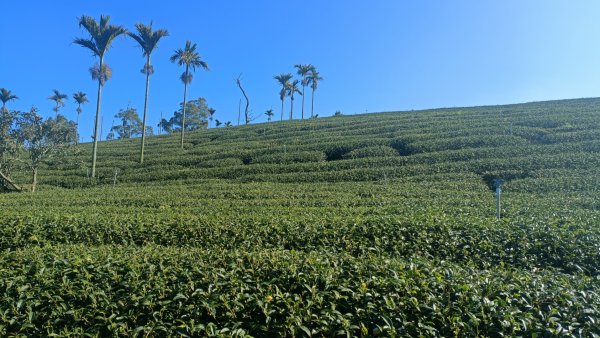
point(366, 225)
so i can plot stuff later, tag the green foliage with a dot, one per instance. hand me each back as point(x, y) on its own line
point(105, 291)
point(59, 98)
point(8, 140)
point(101, 34)
point(197, 113)
point(131, 125)
point(374, 151)
point(42, 139)
point(376, 225)
point(5, 96)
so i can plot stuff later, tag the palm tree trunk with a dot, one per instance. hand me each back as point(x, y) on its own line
point(95, 147)
point(312, 104)
point(281, 110)
point(292, 108)
point(184, 103)
point(77, 128)
point(303, 88)
point(145, 110)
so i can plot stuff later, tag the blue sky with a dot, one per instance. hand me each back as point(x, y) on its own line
point(375, 55)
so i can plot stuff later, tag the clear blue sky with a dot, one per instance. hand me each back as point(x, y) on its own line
point(379, 55)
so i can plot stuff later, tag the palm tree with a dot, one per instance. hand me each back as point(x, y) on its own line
point(101, 37)
point(190, 58)
point(269, 114)
point(80, 98)
point(291, 90)
point(211, 113)
point(148, 41)
point(303, 71)
point(218, 123)
point(58, 97)
point(284, 81)
point(5, 96)
point(313, 80)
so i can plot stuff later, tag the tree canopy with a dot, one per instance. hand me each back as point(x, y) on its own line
point(131, 125)
point(197, 115)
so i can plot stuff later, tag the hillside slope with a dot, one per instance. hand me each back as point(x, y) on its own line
point(377, 224)
point(522, 142)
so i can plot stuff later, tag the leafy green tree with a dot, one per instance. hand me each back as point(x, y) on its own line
point(303, 70)
point(313, 80)
point(59, 99)
point(131, 125)
point(148, 41)
point(291, 90)
point(43, 140)
point(284, 82)
point(102, 34)
point(5, 96)
point(8, 141)
point(197, 112)
point(189, 58)
point(80, 98)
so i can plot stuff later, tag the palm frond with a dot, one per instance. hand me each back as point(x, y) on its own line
point(6, 95)
point(186, 77)
point(80, 97)
point(89, 44)
point(146, 38)
point(101, 34)
point(303, 70)
point(147, 69)
point(188, 57)
point(101, 76)
point(313, 78)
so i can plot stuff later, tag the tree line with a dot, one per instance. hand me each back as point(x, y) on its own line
point(101, 34)
point(309, 76)
point(29, 139)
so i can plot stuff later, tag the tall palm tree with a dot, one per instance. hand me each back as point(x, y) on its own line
point(190, 58)
point(211, 113)
point(269, 114)
point(102, 35)
point(313, 80)
point(80, 98)
point(148, 41)
point(303, 70)
point(5, 96)
point(59, 98)
point(291, 90)
point(284, 81)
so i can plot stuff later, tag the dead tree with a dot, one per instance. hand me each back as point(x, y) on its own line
point(246, 112)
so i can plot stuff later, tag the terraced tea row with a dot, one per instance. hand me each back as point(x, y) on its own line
point(374, 225)
point(156, 290)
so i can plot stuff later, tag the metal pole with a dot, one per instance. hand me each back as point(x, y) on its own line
point(498, 193)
